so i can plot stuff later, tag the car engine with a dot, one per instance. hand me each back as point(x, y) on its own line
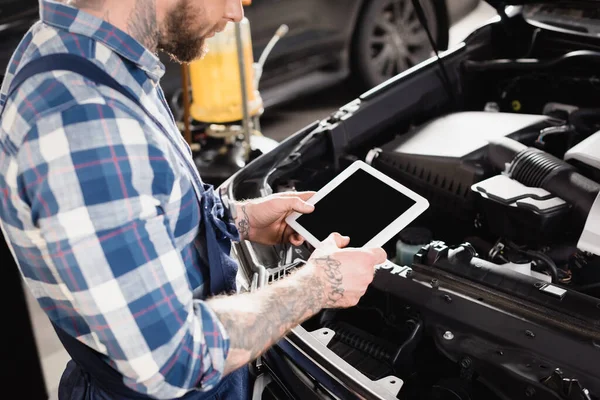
point(521, 189)
point(514, 219)
point(517, 194)
point(493, 292)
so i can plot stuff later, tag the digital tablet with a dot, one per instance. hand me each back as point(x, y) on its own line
point(362, 203)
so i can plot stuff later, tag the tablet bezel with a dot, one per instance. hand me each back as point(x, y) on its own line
point(421, 204)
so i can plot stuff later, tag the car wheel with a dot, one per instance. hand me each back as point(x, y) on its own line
point(389, 38)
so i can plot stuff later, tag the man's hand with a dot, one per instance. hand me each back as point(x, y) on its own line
point(344, 272)
point(263, 220)
point(333, 277)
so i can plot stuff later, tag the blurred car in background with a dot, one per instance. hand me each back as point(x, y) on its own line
point(326, 43)
point(329, 40)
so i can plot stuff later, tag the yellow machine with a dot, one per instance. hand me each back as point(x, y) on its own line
point(221, 120)
point(216, 81)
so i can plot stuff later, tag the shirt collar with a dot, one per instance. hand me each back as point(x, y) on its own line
point(79, 22)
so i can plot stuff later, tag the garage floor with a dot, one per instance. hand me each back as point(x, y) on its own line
point(277, 124)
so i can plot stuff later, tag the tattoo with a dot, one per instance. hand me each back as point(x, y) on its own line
point(331, 267)
point(244, 224)
point(256, 321)
point(142, 24)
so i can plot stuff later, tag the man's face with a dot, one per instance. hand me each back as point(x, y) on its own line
point(187, 23)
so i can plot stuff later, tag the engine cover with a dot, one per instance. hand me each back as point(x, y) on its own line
point(442, 159)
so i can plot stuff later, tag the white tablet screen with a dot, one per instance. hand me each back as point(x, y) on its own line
point(360, 207)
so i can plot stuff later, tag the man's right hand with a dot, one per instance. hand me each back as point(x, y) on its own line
point(334, 277)
point(345, 273)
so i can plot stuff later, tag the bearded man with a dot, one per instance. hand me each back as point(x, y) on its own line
point(117, 237)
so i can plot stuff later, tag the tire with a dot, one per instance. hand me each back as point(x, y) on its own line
point(381, 48)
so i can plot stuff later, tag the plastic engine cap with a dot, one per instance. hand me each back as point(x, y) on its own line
point(415, 235)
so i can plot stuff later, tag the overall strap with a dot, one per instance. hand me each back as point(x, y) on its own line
point(68, 62)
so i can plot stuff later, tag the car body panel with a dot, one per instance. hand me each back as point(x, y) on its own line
point(15, 10)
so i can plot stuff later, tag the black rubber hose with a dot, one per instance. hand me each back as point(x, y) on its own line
point(536, 168)
point(550, 265)
point(406, 349)
point(585, 120)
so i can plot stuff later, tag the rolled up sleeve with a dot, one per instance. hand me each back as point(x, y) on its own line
point(103, 250)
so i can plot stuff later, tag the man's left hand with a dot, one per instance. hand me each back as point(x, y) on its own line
point(263, 220)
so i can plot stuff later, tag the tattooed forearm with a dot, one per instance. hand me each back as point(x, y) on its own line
point(243, 222)
point(256, 321)
point(331, 267)
point(142, 24)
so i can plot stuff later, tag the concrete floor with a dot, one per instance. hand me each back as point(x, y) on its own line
point(277, 124)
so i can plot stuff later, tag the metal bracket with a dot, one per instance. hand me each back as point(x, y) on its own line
point(259, 386)
point(391, 383)
point(323, 335)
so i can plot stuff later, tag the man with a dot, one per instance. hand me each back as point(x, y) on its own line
point(122, 245)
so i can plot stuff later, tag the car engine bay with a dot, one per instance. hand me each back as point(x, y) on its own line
point(506, 213)
point(495, 290)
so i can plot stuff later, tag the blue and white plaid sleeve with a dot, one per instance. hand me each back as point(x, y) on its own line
point(102, 242)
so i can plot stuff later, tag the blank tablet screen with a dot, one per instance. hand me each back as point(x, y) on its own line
point(360, 207)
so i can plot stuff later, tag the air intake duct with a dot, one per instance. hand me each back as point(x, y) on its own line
point(536, 168)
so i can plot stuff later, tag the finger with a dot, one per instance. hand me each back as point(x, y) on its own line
point(335, 239)
point(303, 195)
point(379, 255)
point(301, 206)
point(296, 239)
point(289, 235)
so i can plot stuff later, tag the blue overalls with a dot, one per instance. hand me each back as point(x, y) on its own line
point(88, 376)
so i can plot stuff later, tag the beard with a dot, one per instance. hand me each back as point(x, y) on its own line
point(178, 38)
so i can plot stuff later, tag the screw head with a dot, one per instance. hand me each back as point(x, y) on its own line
point(447, 298)
point(529, 333)
point(465, 363)
point(530, 392)
point(448, 335)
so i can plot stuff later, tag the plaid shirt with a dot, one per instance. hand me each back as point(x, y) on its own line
point(99, 213)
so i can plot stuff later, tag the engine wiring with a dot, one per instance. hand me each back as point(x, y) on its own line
point(539, 258)
point(553, 130)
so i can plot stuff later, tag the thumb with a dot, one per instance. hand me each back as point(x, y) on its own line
point(379, 254)
point(301, 206)
point(337, 240)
